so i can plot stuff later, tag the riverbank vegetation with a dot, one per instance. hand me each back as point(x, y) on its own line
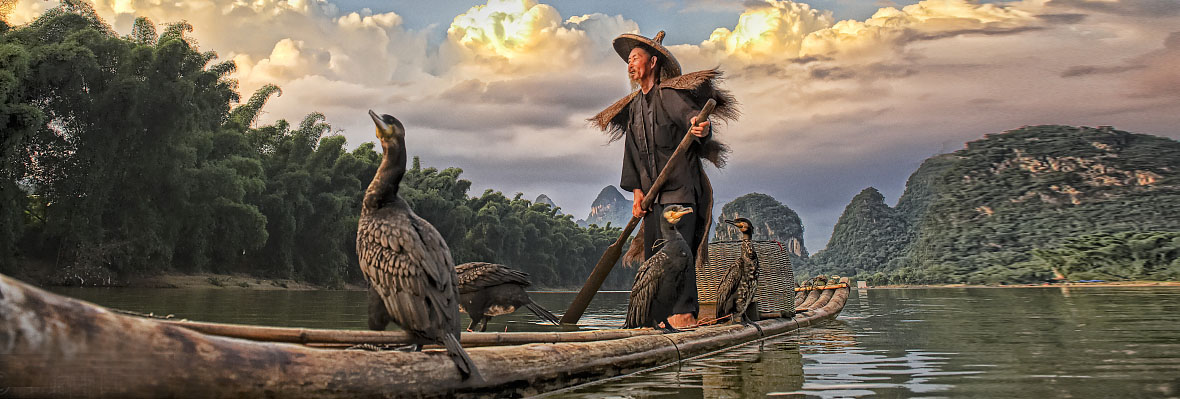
point(129, 156)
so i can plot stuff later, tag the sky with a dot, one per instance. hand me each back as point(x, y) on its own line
point(836, 95)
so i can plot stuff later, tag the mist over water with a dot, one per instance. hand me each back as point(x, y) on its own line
point(942, 342)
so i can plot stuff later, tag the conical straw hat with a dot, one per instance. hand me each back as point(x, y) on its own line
point(627, 41)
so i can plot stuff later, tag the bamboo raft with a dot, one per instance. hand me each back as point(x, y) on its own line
point(56, 346)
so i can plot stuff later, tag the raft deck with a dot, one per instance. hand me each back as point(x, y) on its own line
point(52, 345)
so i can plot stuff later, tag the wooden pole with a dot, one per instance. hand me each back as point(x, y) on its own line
point(352, 337)
point(607, 262)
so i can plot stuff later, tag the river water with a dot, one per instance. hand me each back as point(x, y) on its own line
point(1058, 342)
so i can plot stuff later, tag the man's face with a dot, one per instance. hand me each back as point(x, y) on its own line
point(640, 64)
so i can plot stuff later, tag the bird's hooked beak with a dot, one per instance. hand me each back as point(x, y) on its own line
point(731, 222)
point(384, 130)
point(382, 127)
point(674, 215)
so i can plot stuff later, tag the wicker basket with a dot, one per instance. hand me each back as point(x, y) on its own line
point(776, 278)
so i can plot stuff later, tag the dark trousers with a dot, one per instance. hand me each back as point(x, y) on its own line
point(686, 302)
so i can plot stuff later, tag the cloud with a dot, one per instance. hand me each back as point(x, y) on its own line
point(522, 36)
point(1139, 8)
point(767, 29)
point(1066, 19)
point(1083, 70)
point(890, 28)
point(1159, 76)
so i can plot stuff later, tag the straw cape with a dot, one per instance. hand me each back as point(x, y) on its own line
point(701, 86)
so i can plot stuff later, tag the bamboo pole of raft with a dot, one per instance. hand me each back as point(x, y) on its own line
point(611, 256)
point(55, 346)
point(810, 300)
point(352, 337)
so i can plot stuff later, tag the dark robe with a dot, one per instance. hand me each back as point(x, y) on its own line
point(695, 89)
point(658, 122)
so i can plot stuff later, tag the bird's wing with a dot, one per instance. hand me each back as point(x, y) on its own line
point(443, 268)
point(644, 290)
point(476, 275)
point(750, 283)
point(410, 266)
point(727, 288)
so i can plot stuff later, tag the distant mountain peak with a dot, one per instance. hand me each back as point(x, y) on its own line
point(544, 199)
point(609, 207)
point(609, 194)
point(772, 221)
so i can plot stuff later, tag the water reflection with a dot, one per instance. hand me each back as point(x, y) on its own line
point(755, 369)
point(953, 342)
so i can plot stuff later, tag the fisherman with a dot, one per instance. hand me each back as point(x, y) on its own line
point(654, 119)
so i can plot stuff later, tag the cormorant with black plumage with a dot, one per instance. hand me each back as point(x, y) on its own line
point(740, 283)
point(406, 261)
point(487, 290)
point(655, 291)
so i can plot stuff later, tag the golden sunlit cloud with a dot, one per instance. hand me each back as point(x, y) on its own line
point(930, 17)
point(525, 36)
point(504, 27)
point(771, 29)
point(783, 29)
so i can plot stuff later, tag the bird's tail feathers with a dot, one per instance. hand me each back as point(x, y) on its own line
point(459, 356)
point(634, 255)
point(542, 312)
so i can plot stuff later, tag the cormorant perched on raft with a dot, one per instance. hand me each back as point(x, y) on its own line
point(655, 290)
point(487, 290)
point(405, 259)
point(737, 288)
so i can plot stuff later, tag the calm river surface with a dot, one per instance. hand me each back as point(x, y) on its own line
point(1094, 342)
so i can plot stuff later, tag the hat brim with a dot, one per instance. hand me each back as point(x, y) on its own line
point(628, 41)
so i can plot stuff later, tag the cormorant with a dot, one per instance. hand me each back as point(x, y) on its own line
point(737, 288)
point(487, 290)
point(405, 259)
point(654, 293)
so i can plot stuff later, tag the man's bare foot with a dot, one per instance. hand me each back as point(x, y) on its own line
point(682, 320)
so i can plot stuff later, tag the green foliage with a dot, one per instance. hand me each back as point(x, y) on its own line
point(122, 155)
point(977, 215)
point(1152, 255)
point(19, 123)
point(113, 156)
point(866, 237)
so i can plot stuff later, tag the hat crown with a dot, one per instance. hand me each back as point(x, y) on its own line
point(659, 39)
